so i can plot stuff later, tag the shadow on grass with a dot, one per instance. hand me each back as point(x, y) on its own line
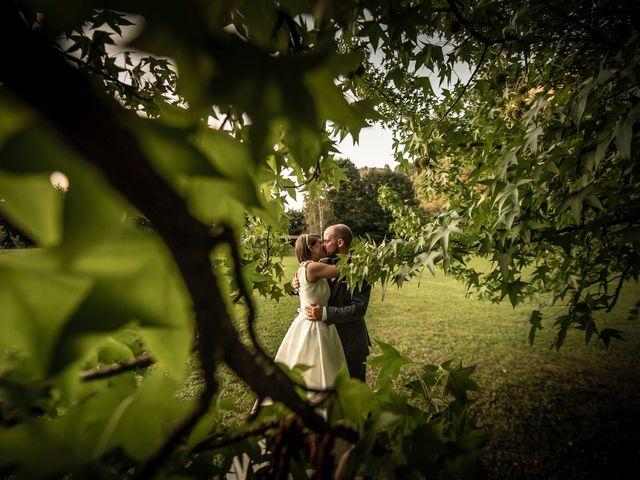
point(563, 427)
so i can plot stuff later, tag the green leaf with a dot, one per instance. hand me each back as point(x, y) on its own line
point(425, 382)
point(608, 333)
point(227, 154)
point(353, 401)
point(459, 382)
point(170, 346)
point(142, 421)
point(602, 148)
point(581, 101)
point(514, 291)
point(390, 361)
point(112, 351)
point(624, 132)
point(443, 233)
point(219, 201)
point(37, 300)
point(427, 443)
point(51, 447)
point(574, 203)
point(90, 206)
point(536, 324)
point(589, 330)
point(330, 102)
point(135, 281)
point(531, 138)
point(427, 260)
point(33, 203)
point(172, 152)
point(623, 135)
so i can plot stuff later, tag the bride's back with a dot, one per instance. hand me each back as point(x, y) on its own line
point(317, 292)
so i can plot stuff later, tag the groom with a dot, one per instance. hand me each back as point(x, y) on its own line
point(345, 310)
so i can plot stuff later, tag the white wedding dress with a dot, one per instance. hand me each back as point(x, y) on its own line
point(312, 343)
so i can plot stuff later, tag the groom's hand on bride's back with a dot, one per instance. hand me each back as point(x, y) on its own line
point(313, 312)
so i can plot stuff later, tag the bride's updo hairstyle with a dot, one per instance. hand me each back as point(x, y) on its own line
point(303, 244)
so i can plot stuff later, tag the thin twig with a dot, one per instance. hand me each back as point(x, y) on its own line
point(130, 88)
point(143, 361)
point(220, 440)
point(294, 35)
point(466, 85)
point(616, 294)
point(227, 233)
point(314, 176)
point(268, 248)
point(460, 95)
point(224, 122)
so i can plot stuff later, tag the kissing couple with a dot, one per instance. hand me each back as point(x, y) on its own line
point(329, 332)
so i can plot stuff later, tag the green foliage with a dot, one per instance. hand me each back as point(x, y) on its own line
point(535, 151)
point(203, 119)
point(424, 416)
point(413, 423)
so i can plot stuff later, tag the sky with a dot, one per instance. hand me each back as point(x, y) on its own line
point(373, 150)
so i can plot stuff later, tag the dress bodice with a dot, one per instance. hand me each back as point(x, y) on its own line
point(317, 292)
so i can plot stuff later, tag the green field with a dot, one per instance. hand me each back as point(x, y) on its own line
point(567, 414)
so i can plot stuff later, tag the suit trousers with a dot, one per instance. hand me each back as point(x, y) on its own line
point(357, 366)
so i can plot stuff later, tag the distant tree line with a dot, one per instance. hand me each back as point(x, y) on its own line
point(355, 202)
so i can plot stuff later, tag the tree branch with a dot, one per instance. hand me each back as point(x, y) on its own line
point(227, 233)
point(476, 34)
point(314, 176)
point(143, 361)
point(616, 294)
point(268, 249)
point(461, 94)
point(220, 440)
point(123, 86)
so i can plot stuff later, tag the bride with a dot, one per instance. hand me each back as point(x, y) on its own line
point(313, 343)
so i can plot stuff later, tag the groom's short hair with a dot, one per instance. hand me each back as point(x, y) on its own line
point(340, 230)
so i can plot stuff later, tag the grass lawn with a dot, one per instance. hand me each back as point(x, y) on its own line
point(568, 414)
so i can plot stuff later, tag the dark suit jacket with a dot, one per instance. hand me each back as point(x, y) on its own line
point(346, 311)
